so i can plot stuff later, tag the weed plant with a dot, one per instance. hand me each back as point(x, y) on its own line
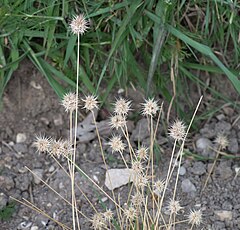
point(148, 193)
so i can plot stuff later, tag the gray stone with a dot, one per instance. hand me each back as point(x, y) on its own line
point(37, 175)
point(182, 171)
point(187, 186)
point(224, 170)
point(198, 168)
point(141, 130)
point(3, 200)
point(203, 143)
point(6, 182)
point(233, 145)
point(20, 148)
point(223, 127)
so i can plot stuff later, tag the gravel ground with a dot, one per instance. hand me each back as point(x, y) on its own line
point(31, 107)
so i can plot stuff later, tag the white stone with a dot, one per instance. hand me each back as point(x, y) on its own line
point(116, 178)
point(34, 228)
point(224, 215)
point(21, 137)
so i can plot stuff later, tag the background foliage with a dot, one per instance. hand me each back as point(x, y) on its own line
point(154, 45)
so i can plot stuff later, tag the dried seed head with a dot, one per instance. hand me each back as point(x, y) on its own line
point(140, 180)
point(108, 215)
point(79, 24)
point(137, 199)
point(98, 221)
point(177, 130)
point(67, 148)
point(116, 144)
point(222, 141)
point(137, 167)
point(90, 102)
point(118, 121)
point(70, 102)
point(195, 217)
point(174, 206)
point(150, 107)
point(142, 153)
point(42, 143)
point(130, 213)
point(159, 186)
point(57, 148)
point(122, 106)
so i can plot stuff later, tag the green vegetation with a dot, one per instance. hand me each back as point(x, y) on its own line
point(155, 45)
point(8, 211)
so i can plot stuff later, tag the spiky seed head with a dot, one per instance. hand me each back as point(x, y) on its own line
point(137, 167)
point(57, 148)
point(195, 217)
point(70, 102)
point(177, 131)
point(159, 186)
point(116, 144)
point(174, 206)
point(108, 215)
point(140, 180)
point(79, 24)
point(42, 143)
point(90, 102)
point(98, 221)
point(130, 213)
point(122, 106)
point(150, 107)
point(137, 199)
point(118, 121)
point(67, 148)
point(222, 141)
point(142, 153)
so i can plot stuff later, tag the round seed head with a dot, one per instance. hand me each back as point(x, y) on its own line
point(137, 199)
point(98, 221)
point(70, 102)
point(130, 213)
point(90, 102)
point(140, 180)
point(177, 130)
point(142, 153)
point(174, 206)
point(116, 144)
point(79, 24)
point(122, 106)
point(150, 107)
point(195, 217)
point(57, 148)
point(159, 186)
point(137, 167)
point(222, 141)
point(108, 215)
point(42, 143)
point(118, 121)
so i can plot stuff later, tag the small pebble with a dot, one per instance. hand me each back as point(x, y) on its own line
point(182, 171)
point(233, 145)
point(3, 200)
point(198, 168)
point(58, 121)
point(21, 137)
point(203, 143)
point(187, 186)
point(39, 175)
